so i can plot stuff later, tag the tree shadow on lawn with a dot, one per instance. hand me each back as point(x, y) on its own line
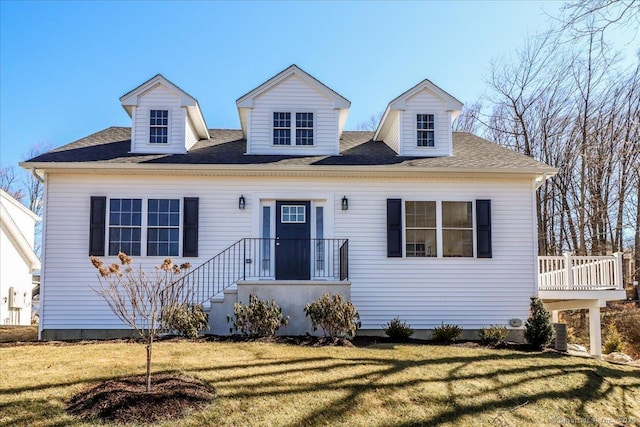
point(332, 374)
point(32, 412)
point(595, 385)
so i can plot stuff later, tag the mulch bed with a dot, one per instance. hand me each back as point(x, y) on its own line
point(125, 400)
point(304, 340)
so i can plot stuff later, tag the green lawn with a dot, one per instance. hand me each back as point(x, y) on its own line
point(386, 385)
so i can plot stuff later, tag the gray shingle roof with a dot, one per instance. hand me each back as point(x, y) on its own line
point(227, 147)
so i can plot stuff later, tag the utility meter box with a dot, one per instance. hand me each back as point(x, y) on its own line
point(16, 298)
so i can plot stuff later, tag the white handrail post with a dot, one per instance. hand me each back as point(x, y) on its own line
point(568, 266)
point(617, 272)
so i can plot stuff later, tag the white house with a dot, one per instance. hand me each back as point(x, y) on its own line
point(17, 260)
point(411, 220)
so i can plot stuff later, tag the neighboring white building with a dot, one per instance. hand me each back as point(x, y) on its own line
point(17, 260)
point(411, 221)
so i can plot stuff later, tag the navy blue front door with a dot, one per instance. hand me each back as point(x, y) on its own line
point(293, 244)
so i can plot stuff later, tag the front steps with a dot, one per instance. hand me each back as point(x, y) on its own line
point(290, 295)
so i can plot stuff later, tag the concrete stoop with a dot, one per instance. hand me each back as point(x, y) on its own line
point(291, 296)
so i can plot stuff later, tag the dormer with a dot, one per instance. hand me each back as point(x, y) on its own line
point(418, 122)
point(164, 118)
point(293, 114)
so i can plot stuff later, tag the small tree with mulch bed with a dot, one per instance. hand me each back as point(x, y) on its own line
point(538, 328)
point(126, 400)
point(137, 298)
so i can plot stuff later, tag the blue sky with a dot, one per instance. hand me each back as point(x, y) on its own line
point(63, 65)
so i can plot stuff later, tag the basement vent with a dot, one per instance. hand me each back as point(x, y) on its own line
point(560, 336)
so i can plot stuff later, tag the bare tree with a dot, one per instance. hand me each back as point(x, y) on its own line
point(468, 120)
point(636, 245)
point(371, 124)
point(570, 105)
point(10, 183)
point(594, 17)
point(138, 298)
point(33, 186)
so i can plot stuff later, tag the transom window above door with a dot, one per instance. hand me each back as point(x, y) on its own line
point(293, 214)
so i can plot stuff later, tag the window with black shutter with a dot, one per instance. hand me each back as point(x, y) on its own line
point(97, 225)
point(483, 225)
point(394, 228)
point(190, 227)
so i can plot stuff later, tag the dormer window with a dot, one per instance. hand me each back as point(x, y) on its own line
point(304, 128)
point(281, 128)
point(159, 127)
point(425, 130)
point(284, 132)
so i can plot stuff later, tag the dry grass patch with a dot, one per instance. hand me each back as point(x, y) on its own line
point(266, 384)
point(18, 333)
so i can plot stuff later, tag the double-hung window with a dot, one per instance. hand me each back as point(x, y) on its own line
point(420, 222)
point(425, 128)
point(457, 229)
point(131, 221)
point(159, 126)
point(125, 226)
point(304, 128)
point(439, 229)
point(281, 128)
point(163, 227)
point(300, 131)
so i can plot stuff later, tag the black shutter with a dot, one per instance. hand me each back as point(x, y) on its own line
point(190, 227)
point(483, 224)
point(97, 225)
point(394, 228)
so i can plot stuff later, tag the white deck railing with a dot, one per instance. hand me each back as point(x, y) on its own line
point(580, 273)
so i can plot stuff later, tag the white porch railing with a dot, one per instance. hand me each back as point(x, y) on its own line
point(580, 273)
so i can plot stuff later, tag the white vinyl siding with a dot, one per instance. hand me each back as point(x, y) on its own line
point(469, 292)
point(15, 271)
point(292, 95)
point(393, 137)
point(425, 103)
point(159, 98)
point(191, 137)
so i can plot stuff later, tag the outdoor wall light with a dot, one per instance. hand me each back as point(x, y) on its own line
point(241, 202)
point(345, 203)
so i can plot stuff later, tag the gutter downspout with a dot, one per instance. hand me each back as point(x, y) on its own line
point(37, 176)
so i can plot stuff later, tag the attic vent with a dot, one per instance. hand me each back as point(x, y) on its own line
point(560, 336)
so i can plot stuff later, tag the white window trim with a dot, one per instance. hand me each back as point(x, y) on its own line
point(293, 128)
point(144, 224)
point(148, 127)
point(416, 130)
point(439, 233)
point(406, 228)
